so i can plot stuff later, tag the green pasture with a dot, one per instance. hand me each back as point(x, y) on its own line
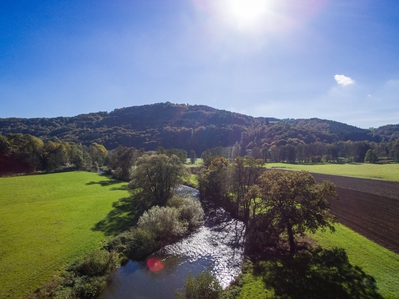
point(191, 180)
point(375, 260)
point(389, 172)
point(47, 221)
point(198, 162)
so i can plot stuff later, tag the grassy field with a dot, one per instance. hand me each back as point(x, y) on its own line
point(375, 260)
point(47, 221)
point(197, 163)
point(389, 172)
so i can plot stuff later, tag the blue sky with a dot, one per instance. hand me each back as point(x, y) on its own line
point(331, 59)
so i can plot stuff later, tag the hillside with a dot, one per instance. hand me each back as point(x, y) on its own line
point(388, 132)
point(188, 127)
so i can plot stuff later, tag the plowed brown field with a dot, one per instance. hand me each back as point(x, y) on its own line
point(369, 207)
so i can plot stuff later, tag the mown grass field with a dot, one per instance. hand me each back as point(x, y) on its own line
point(47, 221)
point(389, 172)
point(375, 260)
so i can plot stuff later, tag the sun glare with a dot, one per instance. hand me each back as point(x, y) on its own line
point(247, 10)
point(246, 13)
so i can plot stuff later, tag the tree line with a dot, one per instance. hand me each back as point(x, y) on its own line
point(294, 150)
point(24, 153)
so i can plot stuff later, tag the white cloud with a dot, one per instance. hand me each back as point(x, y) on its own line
point(344, 80)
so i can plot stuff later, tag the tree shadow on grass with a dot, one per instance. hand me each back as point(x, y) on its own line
point(125, 214)
point(104, 183)
point(320, 273)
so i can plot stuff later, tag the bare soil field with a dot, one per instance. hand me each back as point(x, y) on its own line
point(369, 207)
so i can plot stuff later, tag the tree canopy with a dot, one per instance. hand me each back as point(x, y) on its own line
point(294, 203)
point(156, 176)
point(371, 156)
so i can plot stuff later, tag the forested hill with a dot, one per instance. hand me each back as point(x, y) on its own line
point(187, 127)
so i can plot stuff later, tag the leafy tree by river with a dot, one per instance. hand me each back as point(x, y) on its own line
point(156, 176)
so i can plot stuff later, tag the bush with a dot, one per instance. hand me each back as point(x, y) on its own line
point(142, 244)
point(190, 210)
point(84, 287)
point(97, 263)
point(159, 226)
point(163, 223)
point(86, 278)
point(121, 241)
point(204, 285)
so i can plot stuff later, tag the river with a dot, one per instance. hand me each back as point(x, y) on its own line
point(217, 246)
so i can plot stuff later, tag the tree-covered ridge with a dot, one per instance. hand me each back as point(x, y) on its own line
point(189, 127)
point(339, 130)
point(148, 126)
point(388, 132)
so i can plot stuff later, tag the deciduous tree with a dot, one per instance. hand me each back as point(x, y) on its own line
point(295, 203)
point(371, 156)
point(156, 176)
point(214, 182)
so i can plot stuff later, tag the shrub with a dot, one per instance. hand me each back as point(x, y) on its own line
point(163, 223)
point(204, 285)
point(190, 210)
point(142, 244)
point(159, 226)
point(121, 241)
point(97, 263)
point(86, 278)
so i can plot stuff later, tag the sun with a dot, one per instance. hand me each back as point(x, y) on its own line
point(246, 13)
point(247, 10)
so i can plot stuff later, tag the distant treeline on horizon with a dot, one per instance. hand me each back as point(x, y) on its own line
point(190, 128)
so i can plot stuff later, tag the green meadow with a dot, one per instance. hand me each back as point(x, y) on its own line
point(389, 172)
point(47, 221)
point(375, 260)
point(198, 162)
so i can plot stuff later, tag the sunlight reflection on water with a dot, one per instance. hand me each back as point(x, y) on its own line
point(216, 246)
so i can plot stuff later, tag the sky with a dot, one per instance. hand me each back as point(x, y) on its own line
point(330, 59)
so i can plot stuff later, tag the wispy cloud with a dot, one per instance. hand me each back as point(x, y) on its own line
point(344, 80)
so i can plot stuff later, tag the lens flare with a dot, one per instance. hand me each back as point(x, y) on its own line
point(155, 265)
